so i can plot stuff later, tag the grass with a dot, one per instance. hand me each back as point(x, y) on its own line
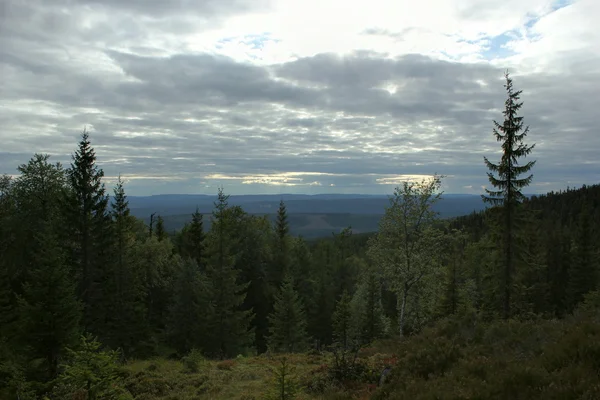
point(243, 378)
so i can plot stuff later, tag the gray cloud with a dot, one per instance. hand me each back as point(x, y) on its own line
point(191, 117)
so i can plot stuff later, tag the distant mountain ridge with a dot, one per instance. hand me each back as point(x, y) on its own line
point(310, 215)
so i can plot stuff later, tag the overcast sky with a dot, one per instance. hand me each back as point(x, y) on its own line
point(289, 96)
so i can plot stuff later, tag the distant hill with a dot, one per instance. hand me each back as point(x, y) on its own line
point(310, 215)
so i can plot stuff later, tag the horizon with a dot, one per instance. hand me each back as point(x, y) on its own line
point(268, 96)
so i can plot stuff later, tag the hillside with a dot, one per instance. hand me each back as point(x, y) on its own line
point(310, 216)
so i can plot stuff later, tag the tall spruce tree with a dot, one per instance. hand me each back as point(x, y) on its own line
point(287, 321)
point(194, 239)
point(49, 309)
point(90, 223)
point(229, 325)
point(508, 182)
point(279, 267)
point(125, 324)
point(190, 309)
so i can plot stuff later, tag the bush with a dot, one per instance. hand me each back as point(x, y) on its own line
point(193, 361)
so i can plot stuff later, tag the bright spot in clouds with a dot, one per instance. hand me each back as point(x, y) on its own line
point(313, 96)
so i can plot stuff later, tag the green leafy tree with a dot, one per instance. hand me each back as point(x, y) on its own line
point(506, 178)
point(91, 238)
point(403, 246)
point(287, 321)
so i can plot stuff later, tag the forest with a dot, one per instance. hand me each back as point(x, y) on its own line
point(97, 304)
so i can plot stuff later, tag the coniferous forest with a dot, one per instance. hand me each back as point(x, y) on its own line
point(96, 304)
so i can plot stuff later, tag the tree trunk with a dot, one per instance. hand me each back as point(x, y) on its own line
point(402, 310)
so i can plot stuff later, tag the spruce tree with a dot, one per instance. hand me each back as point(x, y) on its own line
point(508, 182)
point(279, 267)
point(368, 317)
point(90, 222)
point(190, 309)
point(229, 325)
point(160, 232)
point(287, 321)
point(125, 323)
point(583, 275)
point(342, 322)
point(194, 240)
point(49, 310)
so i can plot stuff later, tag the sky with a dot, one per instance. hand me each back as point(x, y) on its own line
point(288, 96)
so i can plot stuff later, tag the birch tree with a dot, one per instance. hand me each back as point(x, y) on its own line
point(405, 246)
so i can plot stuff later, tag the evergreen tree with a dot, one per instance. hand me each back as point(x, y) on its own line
point(190, 309)
point(125, 323)
point(160, 232)
point(229, 325)
point(583, 275)
point(453, 299)
point(508, 182)
point(49, 309)
point(342, 322)
point(369, 320)
point(90, 222)
point(287, 321)
point(279, 267)
point(344, 275)
point(194, 240)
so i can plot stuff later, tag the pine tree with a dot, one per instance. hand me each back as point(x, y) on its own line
point(287, 321)
point(342, 322)
point(508, 182)
point(229, 325)
point(190, 309)
point(49, 309)
point(91, 230)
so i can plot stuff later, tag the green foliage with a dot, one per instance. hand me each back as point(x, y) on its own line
point(287, 322)
point(90, 373)
point(190, 309)
point(342, 323)
point(284, 386)
point(89, 232)
point(48, 306)
point(194, 361)
point(402, 247)
point(229, 326)
point(508, 184)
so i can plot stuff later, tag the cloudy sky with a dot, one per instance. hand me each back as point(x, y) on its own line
point(289, 96)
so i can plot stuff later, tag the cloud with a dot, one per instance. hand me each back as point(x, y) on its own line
point(265, 97)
